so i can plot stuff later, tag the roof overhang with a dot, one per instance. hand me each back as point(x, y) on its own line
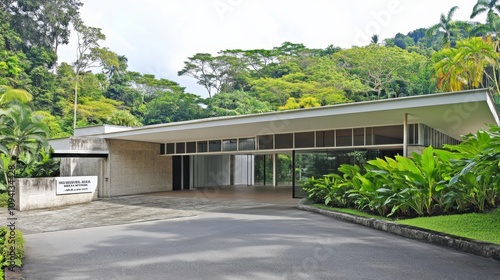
point(454, 114)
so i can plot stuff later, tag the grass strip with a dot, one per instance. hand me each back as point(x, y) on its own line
point(478, 226)
point(351, 211)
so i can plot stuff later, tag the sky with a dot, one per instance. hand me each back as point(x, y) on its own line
point(158, 36)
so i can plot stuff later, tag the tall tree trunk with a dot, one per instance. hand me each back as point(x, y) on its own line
point(496, 80)
point(76, 99)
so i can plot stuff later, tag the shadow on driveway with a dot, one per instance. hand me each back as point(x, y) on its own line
point(150, 207)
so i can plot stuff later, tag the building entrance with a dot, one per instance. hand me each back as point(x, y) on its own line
point(273, 169)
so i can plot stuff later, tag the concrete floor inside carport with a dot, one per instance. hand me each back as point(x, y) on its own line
point(260, 194)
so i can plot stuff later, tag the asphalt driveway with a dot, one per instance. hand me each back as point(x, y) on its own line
point(229, 239)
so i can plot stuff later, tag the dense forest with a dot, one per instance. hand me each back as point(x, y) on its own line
point(449, 56)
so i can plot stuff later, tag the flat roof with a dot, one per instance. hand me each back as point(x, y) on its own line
point(455, 114)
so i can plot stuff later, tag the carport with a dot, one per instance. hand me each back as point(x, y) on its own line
point(281, 148)
point(258, 194)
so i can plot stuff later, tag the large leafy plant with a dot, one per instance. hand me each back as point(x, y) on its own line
point(414, 182)
point(478, 169)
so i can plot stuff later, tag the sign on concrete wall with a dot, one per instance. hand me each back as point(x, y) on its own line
point(74, 185)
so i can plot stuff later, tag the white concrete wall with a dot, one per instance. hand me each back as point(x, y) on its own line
point(88, 143)
point(60, 144)
point(87, 166)
point(416, 149)
point(137, 167)
point(39, 193)
point(131, 168)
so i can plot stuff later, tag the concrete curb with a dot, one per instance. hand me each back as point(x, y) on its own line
point(17, 274)
point(483, 249)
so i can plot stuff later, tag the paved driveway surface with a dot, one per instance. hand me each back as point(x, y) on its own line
point(221, 239)
point(121, 210)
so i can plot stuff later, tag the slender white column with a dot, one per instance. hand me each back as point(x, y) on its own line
point(405, 135)
point(275, 179)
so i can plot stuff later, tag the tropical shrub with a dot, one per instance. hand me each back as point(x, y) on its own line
point(315, 189)
point(463, 178)
point(5, 248)
point(369, 193)
point(478, 168)
point(333, 189)
point(38, 165)
point(22, 134)
point(459, 196)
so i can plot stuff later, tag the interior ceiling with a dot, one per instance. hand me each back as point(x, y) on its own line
point(453, 119)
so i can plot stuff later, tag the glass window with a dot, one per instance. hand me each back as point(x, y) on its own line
point(359, 136)
point(413, 134)
point(247, 144)
point(263, 170)
point(191, 147)
point(202, 146)
point(170, 149)
point(369, 136)
point(308, 164)
point(426, 135)
point(162, 149)
point(304, 140)
point(385, 135)
point(325, 138)
point(343, 137)
point(283, 141)
point(265, 142)
point(230, 145)
point(214, 146)
point(180, 148)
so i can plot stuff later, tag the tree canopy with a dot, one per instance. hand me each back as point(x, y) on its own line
point(97, 87)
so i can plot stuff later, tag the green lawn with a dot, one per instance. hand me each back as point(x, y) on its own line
point(483, 227)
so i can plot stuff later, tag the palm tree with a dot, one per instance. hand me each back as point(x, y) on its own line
point(478, 54)
point(20, 132)
point(465, 66)
point(374, 39)
point(446, 26)
point(491, 7)
point(448, 69)
point(486, 6)
point(119, 69)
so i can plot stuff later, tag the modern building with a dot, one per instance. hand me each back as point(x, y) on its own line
point(277, 148)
